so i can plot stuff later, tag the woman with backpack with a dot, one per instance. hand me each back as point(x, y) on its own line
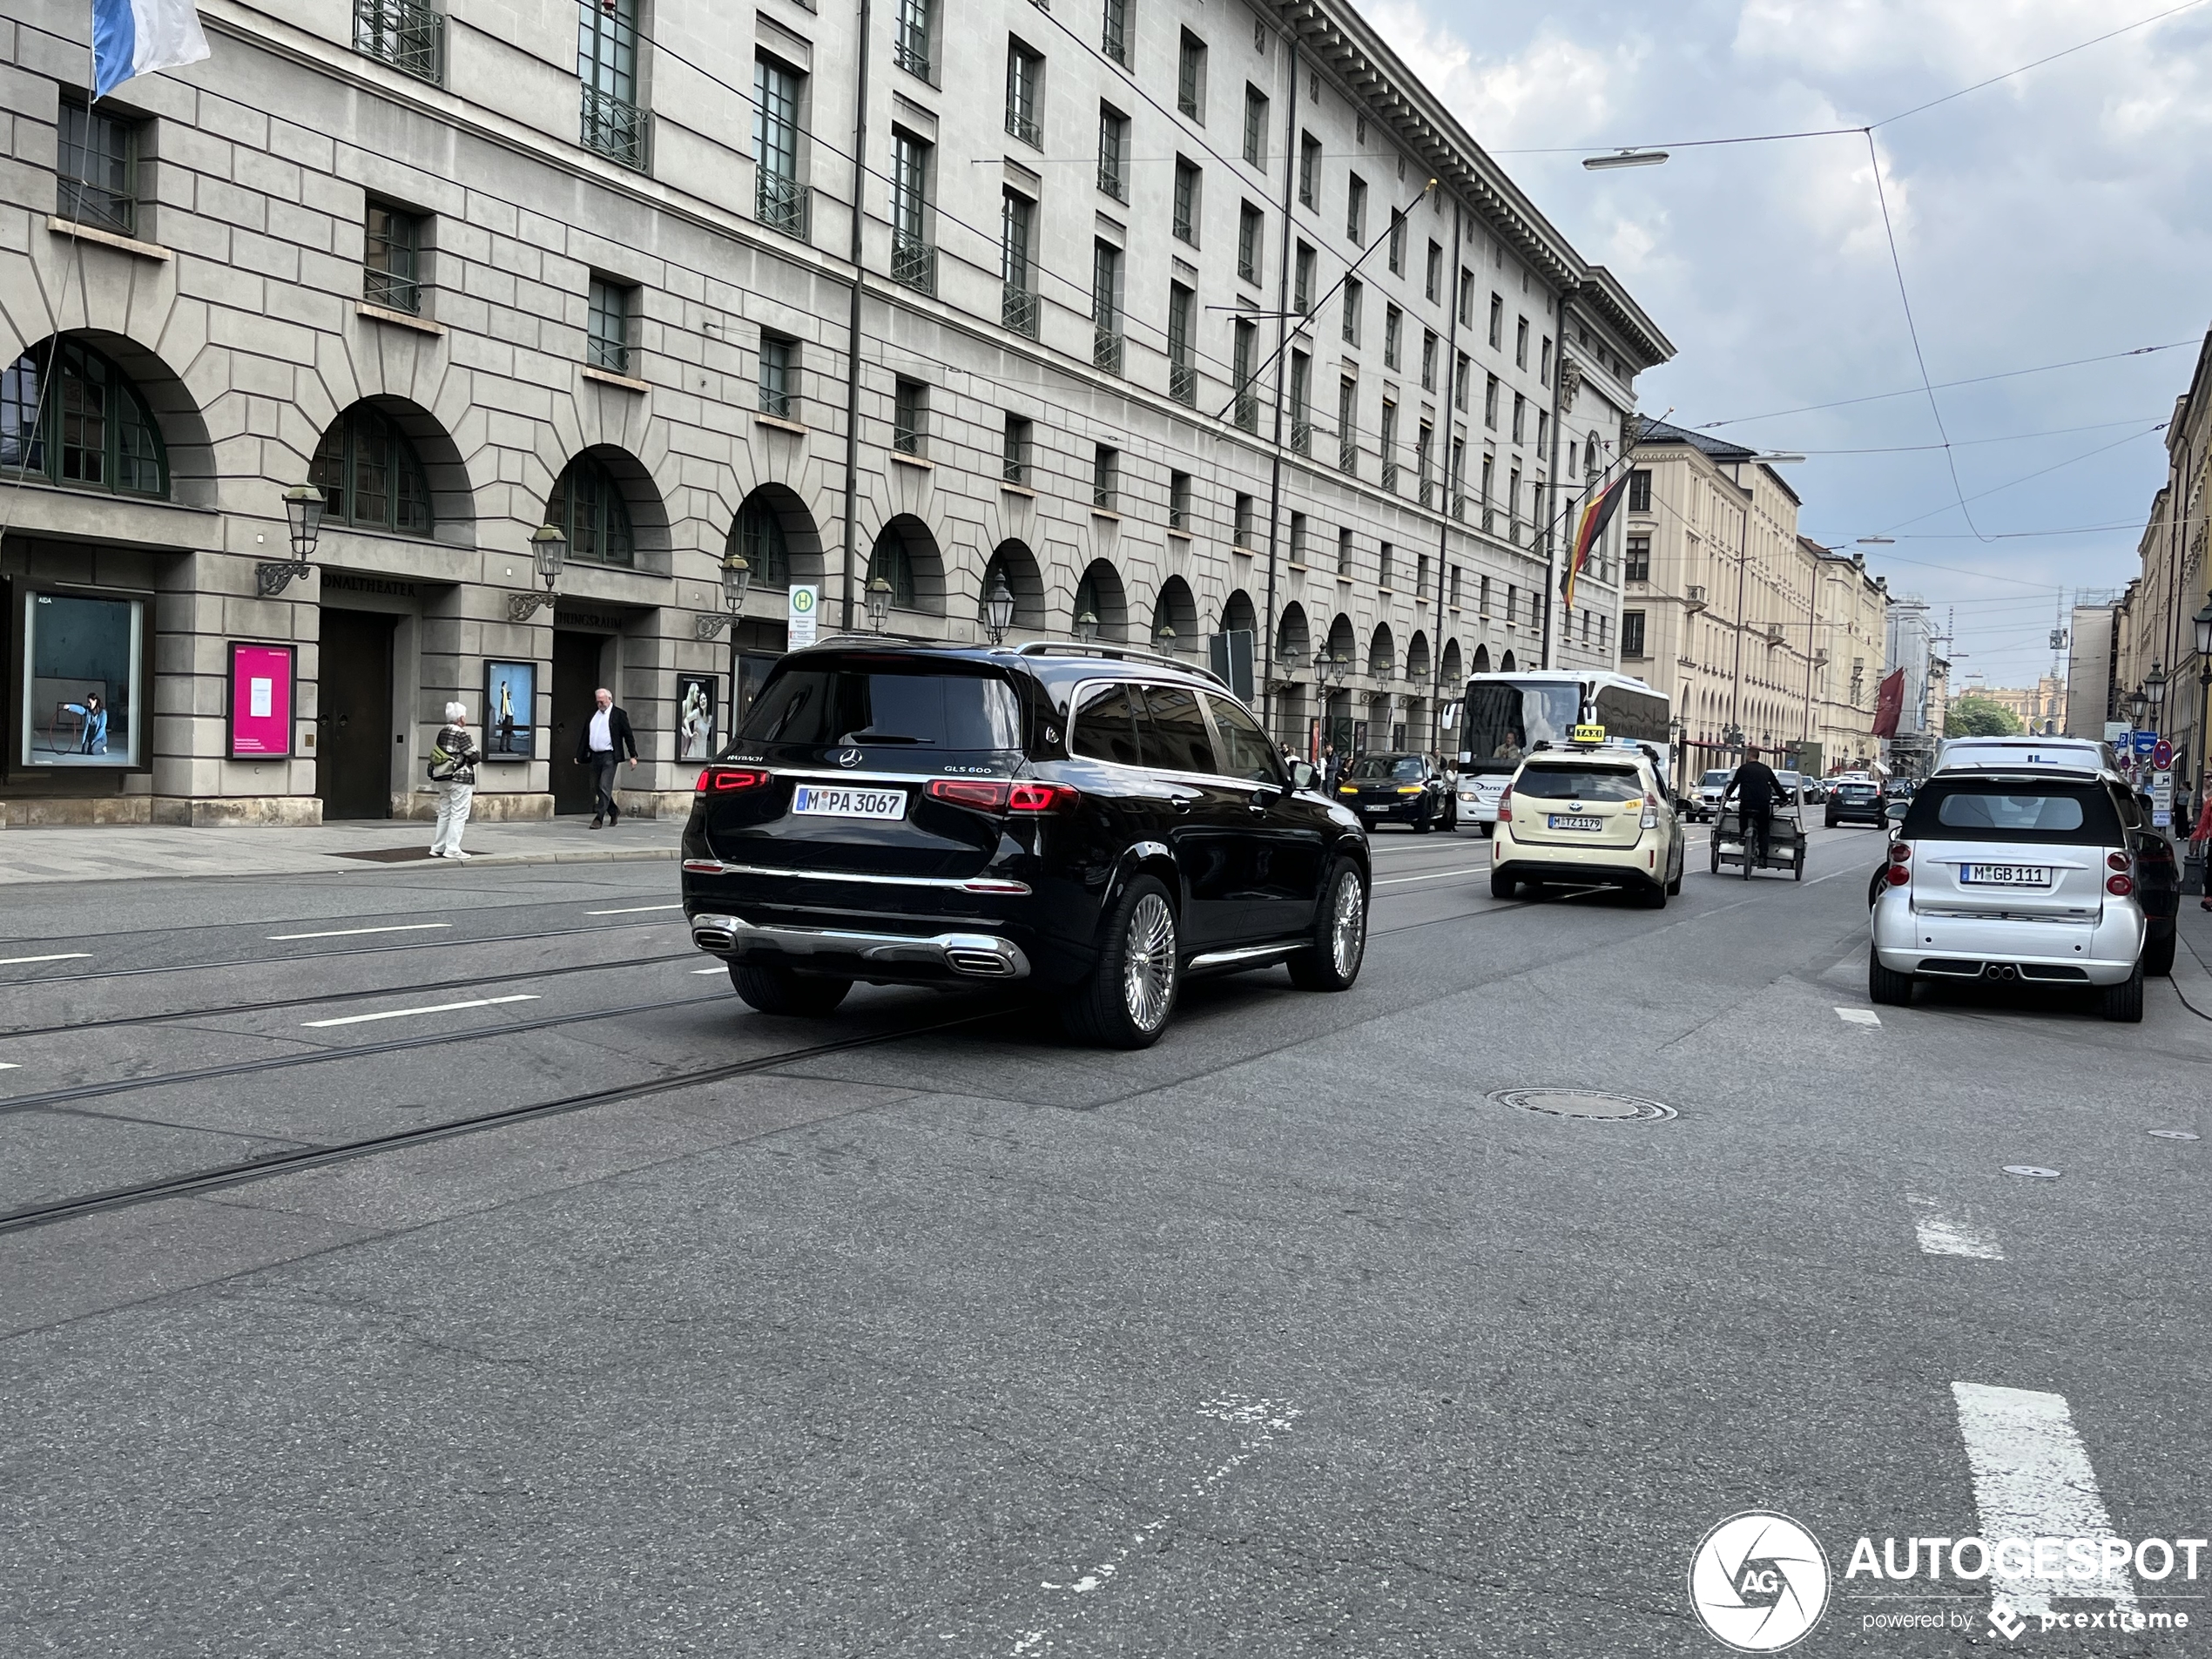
point(453, 769)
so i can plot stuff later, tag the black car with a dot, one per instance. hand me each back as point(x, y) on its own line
point(1856, 801)
point(1095, 824)
point(1399, 789)
point(2158, 881)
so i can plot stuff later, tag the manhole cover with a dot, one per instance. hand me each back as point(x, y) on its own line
point(1580, 1102)
point(2034, 1172)
point(2174, 1134)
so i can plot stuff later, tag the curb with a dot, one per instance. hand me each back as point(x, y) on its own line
point(338, 864)
point(2192, 983)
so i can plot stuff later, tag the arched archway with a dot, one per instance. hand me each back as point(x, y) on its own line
point(70, 412)
point(1451, 668)
point(1013, 564)
point(1417, 658)
point(1382, 653)
point(605, 504)
point(1293, 640)
point(777, 536)
point(1505, 663)
point(1343, 642)
point(1237, 616)
point(1174, 610)
point(1099, 594)
point(386, 466)
point(1482, 660)
point(906, 557)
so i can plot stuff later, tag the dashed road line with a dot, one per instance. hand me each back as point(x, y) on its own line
point(634, 910)
point(1432, 875)
point(2033, 1482)
point(1859, 1016)
point(58, 956)
point(348, 932)
point(401, 1014)
point(1940, 1236)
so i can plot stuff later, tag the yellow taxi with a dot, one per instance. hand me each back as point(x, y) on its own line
point(1588, 813)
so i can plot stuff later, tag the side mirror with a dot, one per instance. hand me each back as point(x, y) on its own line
point(1896, 810)
point(1303, 776)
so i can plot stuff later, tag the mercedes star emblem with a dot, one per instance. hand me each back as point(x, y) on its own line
point(848, 756)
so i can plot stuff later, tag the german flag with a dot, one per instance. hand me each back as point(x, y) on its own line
point(1595, 517)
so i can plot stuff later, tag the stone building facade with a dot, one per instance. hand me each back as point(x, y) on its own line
point(1850, 613)
point(477, 269)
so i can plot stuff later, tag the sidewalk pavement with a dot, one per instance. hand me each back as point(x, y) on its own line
point(122, 851)
point(2193, 962)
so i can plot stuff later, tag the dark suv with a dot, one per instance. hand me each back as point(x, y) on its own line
point(1096, 823)
point(1399, 789)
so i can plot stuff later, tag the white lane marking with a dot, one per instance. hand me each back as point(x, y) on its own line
point(58, 956)
point(8, 1065)
point(2033, 1482)
point(401, 1014)
point(634, 910)
point(1940, 1236)
point(706, 970)
point(1859, 1016)
point(348, 932)
point(1433, 875)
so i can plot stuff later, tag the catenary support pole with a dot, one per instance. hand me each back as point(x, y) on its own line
point(1282, 371)
point(852, 324)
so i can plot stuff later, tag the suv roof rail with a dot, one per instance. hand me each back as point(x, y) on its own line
point(1127, 653)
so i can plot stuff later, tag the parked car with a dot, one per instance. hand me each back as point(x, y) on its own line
point(1097, 824)
point(1399, 789)
point(1857, 801)
point(2009, 877)
point(1588, 816)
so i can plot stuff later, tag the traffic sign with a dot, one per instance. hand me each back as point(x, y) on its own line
point(2145, 742)
point(2161, 755)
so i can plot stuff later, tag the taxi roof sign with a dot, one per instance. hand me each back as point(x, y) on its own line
point(1589, 734)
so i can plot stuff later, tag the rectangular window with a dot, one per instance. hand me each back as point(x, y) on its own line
point(1024, 94)
point(1639, 560)
point(779, 377)
point(1512, 505)
point(1424, 462)
point(1353, 293)
point(1348, 424)
point(1179, 502)
point(1113, 32)
point(1183, 373)
point(76, 644)
point(1105, 478)
point(1298, 539)
point(1497, 321)
point(1191, 77)
point(1520, 414)
point(1251, 224)
point(407, 34)
point(1632, 633)
point(391, 256)
point(1186, 201)
point(607, 325)
point(1390, 446)
point(1106, 307)
point(1489, 489)
point(1018, 304)
point(1344, 551)
point(911, 45)
point(909, 417)
point(1014, 455)
point(1247, 521)
point(1301, 403)
point(1456, 586)
point(1246, 348)
point(1113, 153)
point(1355, 210)
point(1435, 270)
point(1309, 169)
point(912, 260)
point(1420, 576)
point(1490, 402)
point(1543, 432)
point(1462, 372)
point(1544, 362)
point(1459, 480)
point(1520, 344)
point(1396, 242)
point(779, 200)
point(1393, 324)
point(96, 170)
point(1383, 557)
point(1639, 492)
point(1467, 298)
point(1255, 127)
point(607, 64)
point(1302, 281)
point(1428, 359)
point(1482, 598)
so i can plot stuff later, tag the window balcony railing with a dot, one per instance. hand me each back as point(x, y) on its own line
point(912, 52)
point(392, 291)
point(95, 205)
point(1248, 411)
point(613, 356)
point(1018, 310)
point(1106, 347)
point(1348, 452)
point(1020, 124)
point(1111, 180)
point(1428, 492)
point(1390, 477)
point(914, 262)
point(615, 127)
point(409, 37)
point(1183, 383)
point(782, 204)
point(1302, 436)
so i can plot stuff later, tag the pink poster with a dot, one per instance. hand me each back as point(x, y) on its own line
point(261, 701)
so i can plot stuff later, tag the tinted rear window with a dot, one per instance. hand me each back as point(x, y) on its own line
point(858, 705)
point(1404, 769)
point(2078, 814)
point(1578, 783)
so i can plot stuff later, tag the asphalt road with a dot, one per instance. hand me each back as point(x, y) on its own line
point(1283, 1338)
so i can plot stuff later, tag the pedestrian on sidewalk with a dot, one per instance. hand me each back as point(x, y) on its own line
point(606, 739)
point(453, 769)
point(2203, 836)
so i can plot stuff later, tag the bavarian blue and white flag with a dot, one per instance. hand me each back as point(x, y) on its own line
point(138, 36)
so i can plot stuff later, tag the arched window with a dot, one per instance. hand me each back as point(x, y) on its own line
point(758, 535)
point(68, 413)
point(369, 475)
point(587, 507)
point(895, 563)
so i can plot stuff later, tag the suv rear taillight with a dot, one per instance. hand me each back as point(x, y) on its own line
point(1042, 798)
point(717, 780)
point(1505, 805)
point(991, 795)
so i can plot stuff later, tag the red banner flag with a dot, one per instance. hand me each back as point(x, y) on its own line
point(1889, 704)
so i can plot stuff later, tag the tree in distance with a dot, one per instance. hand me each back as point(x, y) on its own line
point(1977, 717)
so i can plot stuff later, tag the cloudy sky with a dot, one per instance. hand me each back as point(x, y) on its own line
point(2061, 215)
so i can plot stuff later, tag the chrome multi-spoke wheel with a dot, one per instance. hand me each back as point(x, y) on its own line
point(1348, 926)
point(1332, 961)
point(1147, 963)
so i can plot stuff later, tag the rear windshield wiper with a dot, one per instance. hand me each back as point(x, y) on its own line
point(856, 738)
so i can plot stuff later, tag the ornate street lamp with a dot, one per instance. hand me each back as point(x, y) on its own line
point(1087, 627)
point(998, 610)
point(2203, 622)
point(548, 552)
point(303, 506)
point(2136, 702)
point(879, 603)
point(2155, 689)
point(1163, 640)
point(737, 580)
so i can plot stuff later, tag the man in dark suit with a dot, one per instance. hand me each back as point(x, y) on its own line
point(606, 739)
